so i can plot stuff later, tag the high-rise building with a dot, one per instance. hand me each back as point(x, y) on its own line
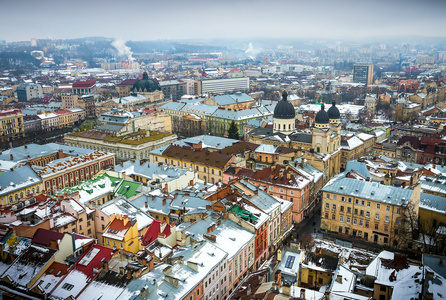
point(363, 74)
point(221, 86)
point(29, 91)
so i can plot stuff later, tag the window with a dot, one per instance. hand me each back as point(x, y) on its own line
point(349, 200)
point(291, 192)
point(328, 196)
point(378, 206)
point(356, 201)
point(349, 210)
point(355, 221)
point(341, 219)
point(335, 197)
point(327, 205)
point(398, 210)
point(361, 223)
point(388, 208)
point(271, 188)
point(68, 286)
point(386, 228)
point(342, 208)
point(356, 211)
point(386, 219)
point(47, 285)
point(342, 199)
point(367, 224)
point(334, 206)
point(367, 214)
point(326, 215)
point(376, 226)
point(377, 216)
point(397, 221)
point(333, 217)
point(368, 203)
point(362, 202)
point(348, 219)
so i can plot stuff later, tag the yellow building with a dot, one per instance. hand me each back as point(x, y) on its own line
point(317, 269)
point(11, 125)
point(65, 118)
point(17, 184)
point(369, 210)
point(122, 233)
point(432, 214)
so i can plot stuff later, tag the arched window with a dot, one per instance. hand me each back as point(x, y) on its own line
point(318, 149)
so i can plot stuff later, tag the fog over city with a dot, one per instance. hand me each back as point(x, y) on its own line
point(175, 19)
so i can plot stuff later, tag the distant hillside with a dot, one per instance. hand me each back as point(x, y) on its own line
point(17, 60)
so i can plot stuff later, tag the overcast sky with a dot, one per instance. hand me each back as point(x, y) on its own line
point(192, 19)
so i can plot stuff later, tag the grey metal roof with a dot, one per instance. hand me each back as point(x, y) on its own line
point(433, 202)
point(17, 179)
point(31, 151)
point(369, 190)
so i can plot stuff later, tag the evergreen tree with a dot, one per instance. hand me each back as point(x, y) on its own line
point(233, 131)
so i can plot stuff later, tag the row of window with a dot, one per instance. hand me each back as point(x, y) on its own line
point(360, 202)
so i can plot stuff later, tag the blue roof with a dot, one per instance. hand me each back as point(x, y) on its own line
point(173, 106)
point(32, 151)
point(368, 190)
point(232, 98)
point(17, 179)
point(433, 202)
point(359, 167)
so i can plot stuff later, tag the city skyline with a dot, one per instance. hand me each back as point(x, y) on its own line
point(148, 20)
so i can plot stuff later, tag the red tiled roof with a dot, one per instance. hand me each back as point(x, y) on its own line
point(104, 254)
point(10, 112)
point(119, 225)
point(84, 84)
point(56, 267)
point(127, 82)
point(45, 236)
point(413, 140)
point(63, 112)
point(153, 232)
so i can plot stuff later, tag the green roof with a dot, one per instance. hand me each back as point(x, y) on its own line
point(128, 188)
point(245, 215)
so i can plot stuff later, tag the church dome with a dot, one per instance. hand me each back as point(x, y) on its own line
point(322, 116)
point(284, 109)
point(333, 112)
point(146, 85)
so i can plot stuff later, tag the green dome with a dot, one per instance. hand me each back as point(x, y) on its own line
point(146, 85)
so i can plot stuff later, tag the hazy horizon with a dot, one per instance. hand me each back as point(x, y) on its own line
point(139, 20)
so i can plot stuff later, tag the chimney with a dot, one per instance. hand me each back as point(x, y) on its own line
point(191, 182)
point(164, 200)
point(122, 164)
point(104, 264)
point(60, 154)
point(26, 146)
point(129, 274)
point(302, 293)
point(278, 277)
point(11, 156)
point(146, 204)
point(225, 215)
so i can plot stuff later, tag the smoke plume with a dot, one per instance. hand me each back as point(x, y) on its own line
point(123, 49)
